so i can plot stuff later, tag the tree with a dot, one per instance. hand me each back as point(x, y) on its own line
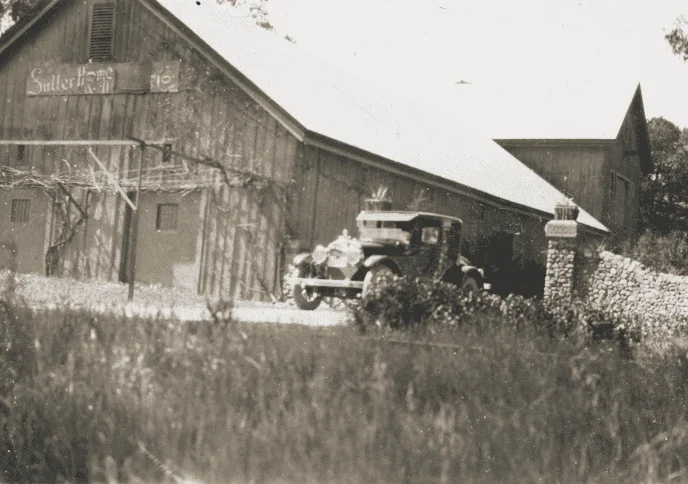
point(678, 38)
point(257, 9)
point(17, 9)
point(13, 11)
point(664, 192)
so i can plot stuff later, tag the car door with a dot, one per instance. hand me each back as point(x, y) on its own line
point(424, 251)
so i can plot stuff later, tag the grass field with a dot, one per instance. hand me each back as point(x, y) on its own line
point(94, 398)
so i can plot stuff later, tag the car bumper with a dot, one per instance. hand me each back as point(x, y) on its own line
point(330, 283)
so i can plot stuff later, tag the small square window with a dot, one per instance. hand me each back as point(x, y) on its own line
point(431, 235)
point(167, 153)
point(167, 216)
point(20, 210)
point(21, 151)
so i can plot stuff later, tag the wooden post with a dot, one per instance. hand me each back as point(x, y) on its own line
point(134, 229)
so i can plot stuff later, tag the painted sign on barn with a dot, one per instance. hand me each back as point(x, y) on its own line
point(164, 77)
point(65, 80)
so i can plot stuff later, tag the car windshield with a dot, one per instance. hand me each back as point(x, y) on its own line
point(373, 230)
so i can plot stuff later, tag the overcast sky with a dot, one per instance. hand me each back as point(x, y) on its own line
point(421, 48)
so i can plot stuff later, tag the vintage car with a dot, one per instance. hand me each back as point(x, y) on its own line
point(415, 244)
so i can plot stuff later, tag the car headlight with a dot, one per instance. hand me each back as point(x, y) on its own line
point(353, 256)
point(320, 254)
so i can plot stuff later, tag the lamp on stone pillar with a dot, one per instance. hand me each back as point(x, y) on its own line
point(562, 242)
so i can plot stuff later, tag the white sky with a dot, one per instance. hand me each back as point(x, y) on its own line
point(420, 48)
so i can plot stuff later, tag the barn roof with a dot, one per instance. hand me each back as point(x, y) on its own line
point(332, 104)
point(399, 216)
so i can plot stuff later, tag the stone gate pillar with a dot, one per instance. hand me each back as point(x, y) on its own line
point(562, 245)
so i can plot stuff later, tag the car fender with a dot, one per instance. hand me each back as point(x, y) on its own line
point(304, 258)
point(472, 271)
point(374, 260)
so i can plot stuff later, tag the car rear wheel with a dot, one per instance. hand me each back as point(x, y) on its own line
point(306, 298)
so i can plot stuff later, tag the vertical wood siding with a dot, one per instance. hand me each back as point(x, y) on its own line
point(576, 170)
point(583, 170)
point(242, 227)
point(330, 189)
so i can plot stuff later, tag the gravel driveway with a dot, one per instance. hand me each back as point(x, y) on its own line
point(42, 293)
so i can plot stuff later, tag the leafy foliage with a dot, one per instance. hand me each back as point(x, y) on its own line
point(678, 37)
point(667, 253)
point(664, 193)
point(257, 9)
point(19, 10)
point(400, 302)
point(380, 193)
point(16, 11)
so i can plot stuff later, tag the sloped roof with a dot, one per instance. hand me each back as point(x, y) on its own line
point(573, 110)
point(338, 106)
point(335, 104)
point(398, 216)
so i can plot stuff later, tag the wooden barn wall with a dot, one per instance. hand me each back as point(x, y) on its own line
point(576, 170)
point(240, 229)
point(624, 159)
point(22, 242)
point(330, 190)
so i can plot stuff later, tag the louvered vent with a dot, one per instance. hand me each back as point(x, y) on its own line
point(102, 32)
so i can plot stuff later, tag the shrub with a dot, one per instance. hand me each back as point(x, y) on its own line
point(401, 302)
point(663, 253)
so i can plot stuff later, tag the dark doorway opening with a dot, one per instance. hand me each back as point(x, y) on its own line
point(498, 260)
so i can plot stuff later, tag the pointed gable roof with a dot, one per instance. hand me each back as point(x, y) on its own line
point(582, 111)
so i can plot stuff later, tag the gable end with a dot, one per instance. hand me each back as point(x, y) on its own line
point(254, 92)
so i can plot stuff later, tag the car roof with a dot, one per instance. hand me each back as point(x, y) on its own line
point(400, 216)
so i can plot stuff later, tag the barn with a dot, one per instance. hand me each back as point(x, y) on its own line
point(148, 140)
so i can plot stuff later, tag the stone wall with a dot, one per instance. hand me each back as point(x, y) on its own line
point(627, 286)
point(618, 285)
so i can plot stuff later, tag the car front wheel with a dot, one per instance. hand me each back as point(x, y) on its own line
point(375, 276)
point(306, 298)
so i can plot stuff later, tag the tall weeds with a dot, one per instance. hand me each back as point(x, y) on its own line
point(102, 398)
